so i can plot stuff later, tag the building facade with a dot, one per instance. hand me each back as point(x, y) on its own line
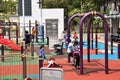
point(51, 19)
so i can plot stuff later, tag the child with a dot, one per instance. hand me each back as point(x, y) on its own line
point(42, 52)
point(52, 64)
point(75, 36)
point(70, 48)
point(76, 54)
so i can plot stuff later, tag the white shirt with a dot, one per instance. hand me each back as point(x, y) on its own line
point(50, 62)
point(70, 46)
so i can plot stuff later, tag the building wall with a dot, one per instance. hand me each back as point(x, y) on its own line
point(46, 14)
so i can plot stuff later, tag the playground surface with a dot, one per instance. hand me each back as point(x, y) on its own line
point(93, 70)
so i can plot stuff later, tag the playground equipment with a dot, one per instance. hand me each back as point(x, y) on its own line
point(20, 64)
point(106, 40)
point(68, 31)
point(88, 32)
point(7, 42)
point(10, 44)
point(41, 33)
point(21, 61)
point(119, 50)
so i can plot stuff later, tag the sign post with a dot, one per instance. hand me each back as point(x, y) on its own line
point(51, 74)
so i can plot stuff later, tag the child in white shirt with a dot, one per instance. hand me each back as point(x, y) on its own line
point(52, 64)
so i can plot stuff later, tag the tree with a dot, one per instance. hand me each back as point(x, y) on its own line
point(8, 8)
point(79, 6)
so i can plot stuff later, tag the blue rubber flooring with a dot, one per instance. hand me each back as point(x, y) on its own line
point(102, 56)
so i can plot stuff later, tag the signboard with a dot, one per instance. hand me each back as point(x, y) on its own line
point(51, 74)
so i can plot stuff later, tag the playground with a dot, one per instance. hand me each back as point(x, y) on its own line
point(98, 60)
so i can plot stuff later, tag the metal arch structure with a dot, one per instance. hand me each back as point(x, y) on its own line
point(68, 28)
point(81, 39)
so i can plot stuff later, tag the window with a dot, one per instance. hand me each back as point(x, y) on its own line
point(27, 5)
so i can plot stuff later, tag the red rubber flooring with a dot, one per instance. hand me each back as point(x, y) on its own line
point(93, 70)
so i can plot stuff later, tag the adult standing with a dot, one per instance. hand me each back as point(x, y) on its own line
point(65, 42)
point(27, 40)
point(33, 33)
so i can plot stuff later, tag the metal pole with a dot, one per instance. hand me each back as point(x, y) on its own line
point(24, 66)
point(2, 52)
point(9, 24)
point(16, 34)
point(88, 40)
point(32, 49)
point(40, 65)
point(41, 10)
point(22, 50)
point(111, 36)
point(118, 50)
point(96, 40)
point(30, 26)
point(36, 28)
point(30, 30)
point(23, 12)
point(92, 35)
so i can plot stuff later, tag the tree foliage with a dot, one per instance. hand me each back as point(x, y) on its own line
point(72, 7)
point(7, 8)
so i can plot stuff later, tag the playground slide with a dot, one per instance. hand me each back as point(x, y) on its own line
point(10, 44)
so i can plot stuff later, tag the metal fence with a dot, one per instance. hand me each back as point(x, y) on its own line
point(14, 65)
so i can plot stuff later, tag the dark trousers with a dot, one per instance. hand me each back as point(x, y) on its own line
point(77, 57)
